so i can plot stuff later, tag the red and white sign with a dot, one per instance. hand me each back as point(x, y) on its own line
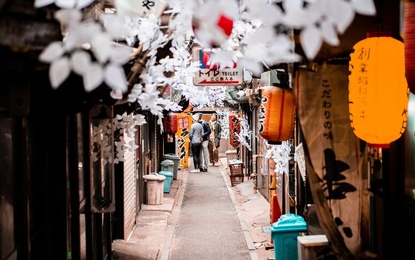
point(211, 75)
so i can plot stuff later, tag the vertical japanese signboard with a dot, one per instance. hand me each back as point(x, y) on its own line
point(182, 135)
point(212, 75)
point(337, 155)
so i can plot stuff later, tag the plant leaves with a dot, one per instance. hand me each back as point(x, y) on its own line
point(364, 7)
point(93, 77)
point(51, 52)
point(329, 34)
point(83, 3)
point(120, 54)
point(101, 46)
point(340, 14)
point(311, 41)
point(59, 70)
point(115, 77)
point(80, 62)
point(43, 3)
point(68, 16)
point(65, 4)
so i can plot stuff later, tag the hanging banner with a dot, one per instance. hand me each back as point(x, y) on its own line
point(336, 153)
point(182, 136)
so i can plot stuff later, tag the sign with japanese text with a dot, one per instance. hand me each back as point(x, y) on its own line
point(211, 75)
point(336, 153)
point(182, 136)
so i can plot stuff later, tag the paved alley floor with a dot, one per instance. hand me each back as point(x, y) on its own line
point(203, 217)
point(217, 221)
point(208, 226)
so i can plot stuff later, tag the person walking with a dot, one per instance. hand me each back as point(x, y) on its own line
point(214, 140)
point(195, 134)
point(204, 154)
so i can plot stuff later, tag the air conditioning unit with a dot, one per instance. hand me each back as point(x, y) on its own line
point(307, 244)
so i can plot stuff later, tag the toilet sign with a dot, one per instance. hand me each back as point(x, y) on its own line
point(211, 75)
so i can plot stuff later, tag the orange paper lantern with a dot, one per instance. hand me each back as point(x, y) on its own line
point(234, 129)
point(170, 123)
point(378, 91)
point(276, 116)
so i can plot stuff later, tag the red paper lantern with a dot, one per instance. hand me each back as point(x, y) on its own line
point(170, 123)
point(234, 129)
point(409, 42)
point(276, 114)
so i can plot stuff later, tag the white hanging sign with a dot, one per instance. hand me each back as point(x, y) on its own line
point(211, 75)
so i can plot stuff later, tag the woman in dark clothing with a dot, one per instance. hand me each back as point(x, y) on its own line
point(195, 134)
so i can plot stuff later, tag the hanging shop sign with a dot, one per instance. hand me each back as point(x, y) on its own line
point(182, 136)
point(211, 75)
point(335, 152)
point(234, 129)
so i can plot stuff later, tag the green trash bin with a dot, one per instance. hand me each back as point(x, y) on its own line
point(284, 235)
point(176, 160)
point(167, 165)
point(167, 181)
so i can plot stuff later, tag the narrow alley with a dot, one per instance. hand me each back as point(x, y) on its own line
point(204, 218)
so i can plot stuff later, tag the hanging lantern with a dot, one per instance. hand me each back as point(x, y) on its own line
point(170, 123)
point(409, 41)
point(234, 129)
point(378, 91)
point(276, 114)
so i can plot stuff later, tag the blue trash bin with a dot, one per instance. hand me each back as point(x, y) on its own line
point(284, 235)
point(167, 165)
point(167, 181)
point(176, 161)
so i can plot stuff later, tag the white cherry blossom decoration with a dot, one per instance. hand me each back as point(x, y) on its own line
point(211, 19)
point(281, 155)
point(101, 145)
point(72, 54)
point(64, 4)
point(254, 42)
point(245, 134)
point(222, 119)
point(126, 124)
point(216, 94)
